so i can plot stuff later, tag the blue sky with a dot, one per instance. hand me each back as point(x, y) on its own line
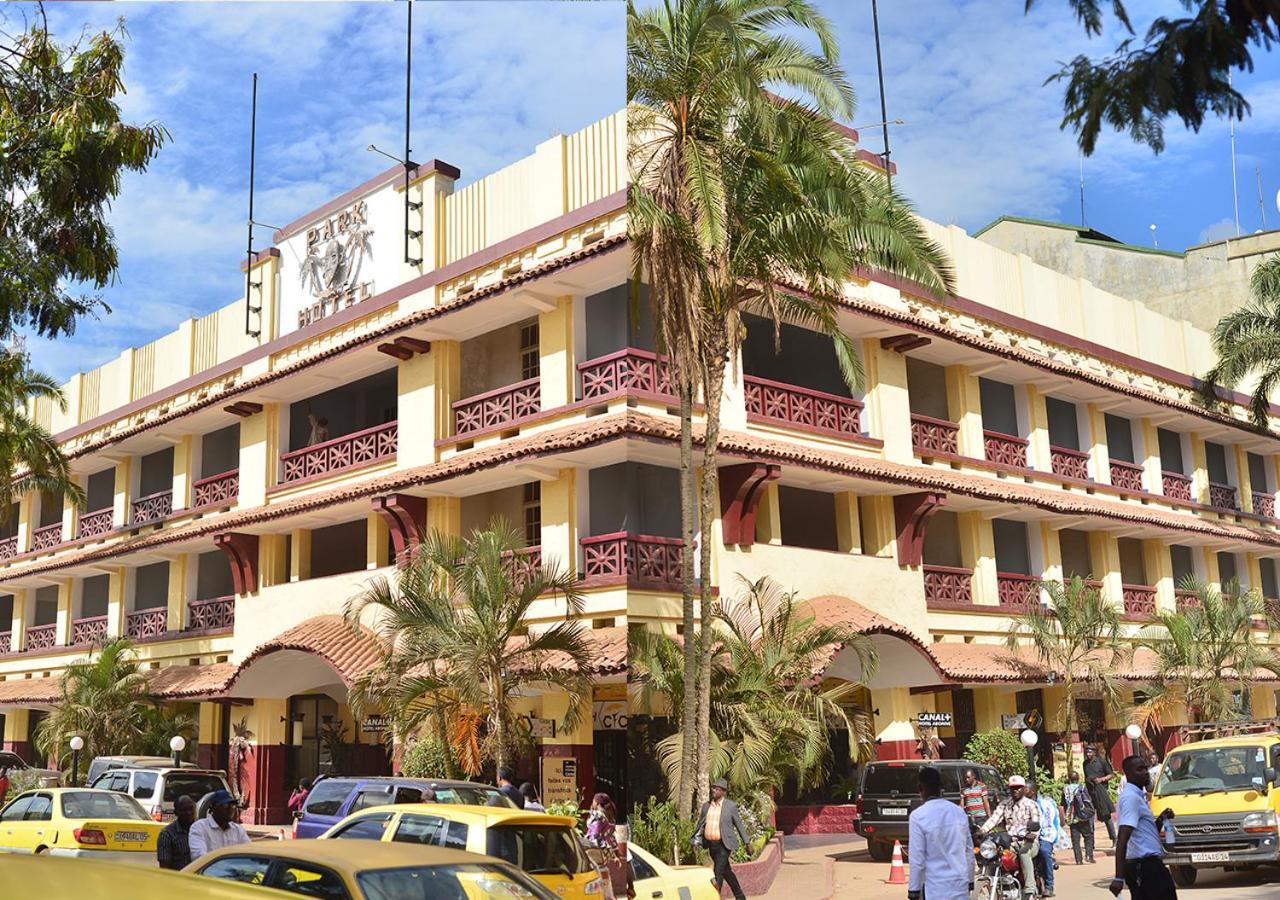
point(491, 80)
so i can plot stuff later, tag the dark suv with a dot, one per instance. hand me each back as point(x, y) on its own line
point(890, 790)
point(333, 798)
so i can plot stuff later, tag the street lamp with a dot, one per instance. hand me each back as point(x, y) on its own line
point(177, 744)
point(77, 744)
point(1029, 740)
point(1133, 733)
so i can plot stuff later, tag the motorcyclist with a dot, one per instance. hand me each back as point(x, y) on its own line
point(1020, 816)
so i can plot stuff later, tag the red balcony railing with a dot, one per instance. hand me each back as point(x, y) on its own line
point(641, 558)
point(1005, 449)
point(930, 435)
point(1069, 463)
point(46, 537)
point(497, 408)
point(792, 405)
point(1139, 601)
point(1264, 504)
point(1222, 496)
point(524, 562)
point(6, 641)
point(209, 615)
point(1186, 599)
point(96, 523)
point(91, 630)
point(1126, 475)
point(153, 507)
point(9, 547)
point(41, 637)
point(1176, 485)
point(947, 585)
point(217, 490)
point(145, 624)
point(623, 372)
point(1017, 593)
point(351, 451)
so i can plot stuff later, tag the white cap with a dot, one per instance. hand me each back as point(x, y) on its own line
point(1017, 781)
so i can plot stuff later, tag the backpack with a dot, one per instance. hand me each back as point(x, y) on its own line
point(1082, 809)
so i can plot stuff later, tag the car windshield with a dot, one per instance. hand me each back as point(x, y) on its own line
point(472, 796)
point(101, 805)
point(327, 796)
point(194, 786)
point(462, 881)
point(893, 780)
point(1211, 769)
point(537, 849)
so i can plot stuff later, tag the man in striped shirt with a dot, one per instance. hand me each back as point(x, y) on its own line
point(973, 797)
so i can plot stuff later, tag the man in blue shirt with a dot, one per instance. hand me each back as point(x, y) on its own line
point(1139, 856)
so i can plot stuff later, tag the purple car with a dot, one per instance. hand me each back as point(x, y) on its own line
point(333, 798)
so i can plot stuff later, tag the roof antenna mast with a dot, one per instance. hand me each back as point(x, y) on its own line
point(409, 234)
point(884, 116)
point(249, 283)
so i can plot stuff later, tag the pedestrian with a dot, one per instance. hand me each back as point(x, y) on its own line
point(507, 787)
point(298, 799)
point(1097, 772)
point(216, 830)
point(1020, 816)
point(4, 783)
point(601, 819)
point(173, 846)
point(942, 862)
point(721, 831)
point(1153, 766)
point(973, 797)
point(530, 794)
point(1081, 816)
point(1050, 829)
point(1139, 856)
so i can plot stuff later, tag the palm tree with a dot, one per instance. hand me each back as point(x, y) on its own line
point(743, 202)
point(1247, 340)
point(1205, 652)
point(1076, 635)
point(30, 458)
point(454, 629)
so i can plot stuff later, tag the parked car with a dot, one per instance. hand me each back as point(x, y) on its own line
point(85, 879)
point(890, 790)
point(334, 798)
point(364, 871)
point(655, 879)
point(544, 846)
point(158, 789)
point(79, 822)
point(102, 764)
point(18, 766)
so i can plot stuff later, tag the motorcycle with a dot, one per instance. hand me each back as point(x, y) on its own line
point(999, 869)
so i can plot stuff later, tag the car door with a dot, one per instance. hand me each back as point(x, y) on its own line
point(369, 796)
point(38, 822)
point(13, 830)
point(307, 879)
point(366, 828)
point(415, 828)
point(245, 868)
point(647, 883)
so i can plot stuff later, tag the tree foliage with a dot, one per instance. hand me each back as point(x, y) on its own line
point(1179, 68)
point(999, 749)
point(26, 446)
point(1246, 342)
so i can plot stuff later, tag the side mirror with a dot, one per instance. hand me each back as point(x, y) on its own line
point(1269, 775)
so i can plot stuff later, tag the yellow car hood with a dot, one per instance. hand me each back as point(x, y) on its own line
point(1216, 803)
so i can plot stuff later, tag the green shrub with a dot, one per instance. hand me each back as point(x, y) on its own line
point(566, 808)
point(427, 758)
point(657, 827)
point(1002, 750)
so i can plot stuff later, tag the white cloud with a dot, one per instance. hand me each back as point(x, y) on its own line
point(1220, 230)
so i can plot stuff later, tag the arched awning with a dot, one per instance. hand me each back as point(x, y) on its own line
point(903, 658)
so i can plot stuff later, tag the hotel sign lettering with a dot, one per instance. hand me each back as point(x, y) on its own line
point(337, 249)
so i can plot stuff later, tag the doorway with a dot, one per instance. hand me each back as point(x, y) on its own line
point(611, 767)
point(313, 720)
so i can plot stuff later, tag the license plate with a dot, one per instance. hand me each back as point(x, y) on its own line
point(890, 811)
point(1221, 856)
point(131, 837)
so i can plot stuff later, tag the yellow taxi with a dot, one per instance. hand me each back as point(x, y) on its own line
point(655, 879)
point(364, 871)
point(544, 846)
point(85, 879)
point(84, 822)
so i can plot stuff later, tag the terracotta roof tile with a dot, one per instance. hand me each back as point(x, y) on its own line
point(349, 652)
point(29, 690)
point(183, 682)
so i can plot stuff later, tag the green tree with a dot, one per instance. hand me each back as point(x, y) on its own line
point(1181, 67)
point(159, 724)
point(30, 458)
point(1077, 635)
point(744, 202)
point(1205, 652)
point(454, 626)
point(1002, 750)
point(1247, 341)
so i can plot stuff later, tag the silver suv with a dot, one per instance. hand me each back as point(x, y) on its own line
point(157, 789)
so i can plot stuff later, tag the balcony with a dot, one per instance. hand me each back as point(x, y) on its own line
point(1017, 593)
point(96, 523)
point(948, 586)
point(1185, 599)
point(524, 562)
point(89, 631)
point(1005, 449)
point(41, 637)
point(1176, 485)
point(1139, 601)
point(217, 490)
point(6, 642)
point(1126, 475)
point(218, 614)
point(642, 560)
point(930, 435)
point(1069, 463)
point(351, 451)
point(1222, 496)
point(1264, 504)
point(9, 547)
point(47, 537)
point(628, 371)
point(153, 507)
point(499, 408)
point(786, 404)
point(146, 624)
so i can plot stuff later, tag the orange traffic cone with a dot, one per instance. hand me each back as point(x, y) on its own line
point(897, 871)
point(281, 836)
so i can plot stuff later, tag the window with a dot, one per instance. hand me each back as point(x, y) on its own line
point(41, 808)
point(1270, 587)
point(368, 797)
point(1013, 554)
point(1258, 480)
point(537, 849)
point(310, 881)
point(642, 869)
point(999, 408)
point(530, 361)
point(1170, 451)
point(1119, 438)
point(407, 795)
point(1227, 568)
point(18, 808)
point(366, 828)
point(1184, 569)
point(533, 514)
point(421, 830)
point(326, 797)
point(93, 805)
point(1215, 457)
point(144, 785)
point(246, 869)
point(456, 837)
point(1064, 426)
point(194, 786)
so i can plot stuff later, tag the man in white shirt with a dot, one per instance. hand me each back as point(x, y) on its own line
point(942, 864)
point(1139, 856)
point(216, 830)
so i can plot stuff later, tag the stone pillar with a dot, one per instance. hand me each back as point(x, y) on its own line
point(116, 602)
point(1099, 451)
point(444, 514)
point(183, 472)
point(577, 744)
point(848, 527)
point(560, 522)
point(769, 515)
point(895, 732)
point(377, 542)
point(18, 625)
point(1199, 470)
point(264, 788)
point(888, 402)
point(177, 596)
point(17, 735)
point(265, 267)
point(120, 496)
point(429, 189)
point(1159, 566)
point(447, 384)
point(1211, 575)
point(879, 526)
point(556, 349)
point(416, 404)
point(1152, 479)
point(964, 406)
point(207, 739)
point(300, 558)
point(1104, 552)
point(1038, 455)
point(1244, 485)
point(65, 586)
point(26, 521)
point(1253, 571)
point(71, 515)
point(259, 454)
point(271, 559)
point(978, 550)
point(989, 704)
point(1051, 552)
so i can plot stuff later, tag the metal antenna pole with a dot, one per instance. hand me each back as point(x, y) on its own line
point(1084, 223)
point(1262, 206)
point(884, 115)
point(409, 234)
point(248, 268)
point(1235, 185)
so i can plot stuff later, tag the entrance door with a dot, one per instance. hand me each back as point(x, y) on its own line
point(611, 766)
point(311, 718)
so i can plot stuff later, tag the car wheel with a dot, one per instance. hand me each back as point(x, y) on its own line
point(880, 851)
point(1185, 876)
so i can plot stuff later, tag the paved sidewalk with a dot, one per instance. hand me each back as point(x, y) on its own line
point(811, 868)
